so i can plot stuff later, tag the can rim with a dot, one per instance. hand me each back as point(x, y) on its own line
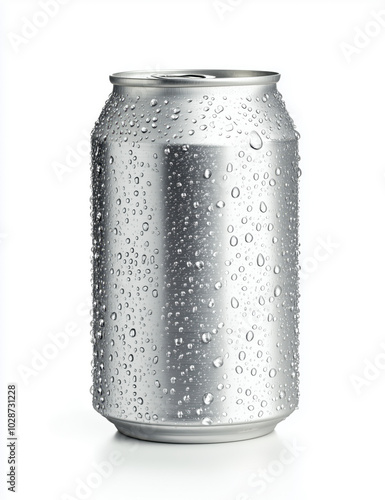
point(194, 78)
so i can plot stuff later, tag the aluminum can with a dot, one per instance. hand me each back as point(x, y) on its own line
point(195, 256)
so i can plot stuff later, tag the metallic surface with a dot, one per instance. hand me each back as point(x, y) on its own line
point(195, 434)
point(195, 257)
point(194, 78)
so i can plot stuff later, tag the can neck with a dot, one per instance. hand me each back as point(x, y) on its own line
point(194, 92)
point(195, 78)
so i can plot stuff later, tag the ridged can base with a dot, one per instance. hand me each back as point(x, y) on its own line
point(194, 434)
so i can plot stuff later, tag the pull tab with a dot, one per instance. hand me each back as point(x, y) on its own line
point(181, 76)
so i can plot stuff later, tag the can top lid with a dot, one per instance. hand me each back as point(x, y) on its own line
point(194, 78)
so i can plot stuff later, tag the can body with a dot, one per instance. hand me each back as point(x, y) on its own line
point(195, 257)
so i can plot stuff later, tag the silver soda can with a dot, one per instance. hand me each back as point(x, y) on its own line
point(195, 256)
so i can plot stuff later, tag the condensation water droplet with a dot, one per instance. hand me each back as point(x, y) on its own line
point(272, 373)
point(282, 394)
point(218, 285)
point(218, 362)
point(113, 316)
point(249, 336)
point(132, 332)
point(206, 337)
point(153, 102)
point(111, 160)
point(199, 265)
point(249, 238)
point(234, 303)
point(260, 260)
point(220, 204)
point(255, 140)
point(277, 291)
point(207, 421)
point(263, 207)
point(233, 241)
point(235, 192)
point(207, 173)
point(145, 226)
point(208, 398)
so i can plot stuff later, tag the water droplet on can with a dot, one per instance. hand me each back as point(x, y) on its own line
point(260, 260)
point(255, 140)
point(249, 336)
point(235, 192)
point(249, 238)
point(207, 174)
point(218, 362)
point(208, 398)
point(233, 241)
point(206, 337)
point(277, 291)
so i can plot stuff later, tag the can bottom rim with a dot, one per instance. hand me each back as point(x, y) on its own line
point(194, 434)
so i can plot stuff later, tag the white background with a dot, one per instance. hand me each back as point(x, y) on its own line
point(53, 88)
